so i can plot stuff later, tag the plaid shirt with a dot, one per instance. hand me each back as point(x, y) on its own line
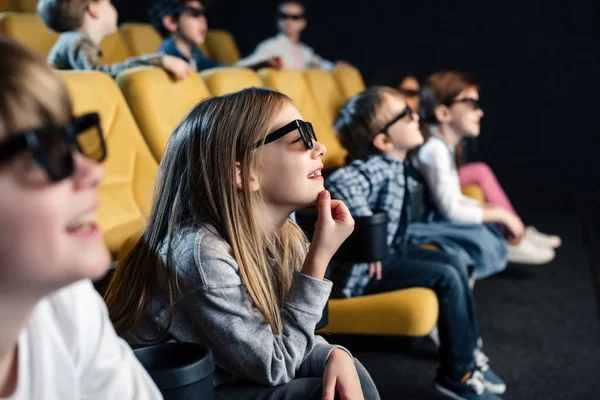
point(379, 183)
point(75, 51)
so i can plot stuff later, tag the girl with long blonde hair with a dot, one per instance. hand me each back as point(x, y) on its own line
point(221, 264)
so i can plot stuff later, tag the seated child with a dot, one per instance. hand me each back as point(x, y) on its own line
point(183, 25)
point(378, 129)
point(56, 340)
point(220, 262)
point(83, 24)
point(449, 104)
point(291, 21)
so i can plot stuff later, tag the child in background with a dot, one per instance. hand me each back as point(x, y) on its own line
point(378, 129)
point(56, 340)
point(221, 264)
point(183, 25)
point(449, 104)
point(291, 21)
point(82, 25)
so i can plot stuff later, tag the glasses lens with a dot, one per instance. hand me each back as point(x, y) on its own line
point(194, 12)
point(308, 134)
point(91, 143)
point(54, 152)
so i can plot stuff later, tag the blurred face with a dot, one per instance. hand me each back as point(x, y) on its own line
point(107, 14)
point(291, 20)
point(48, 237)
point(191, 24)
point(290, 174)
point(465, 114)
point(410, 88)
point(403, 134)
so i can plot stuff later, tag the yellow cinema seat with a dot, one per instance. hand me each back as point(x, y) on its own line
point(474, 192)
point(6, 5)
point(114, 49)
point(25, 6)
point(222, 47)
point(326, 93)
point(222, 81)
point(292, 83)
point(349, 81)
point(159, 103)
point(406, 312)
point(29, 30)
point(129, 168)
point(140, 38)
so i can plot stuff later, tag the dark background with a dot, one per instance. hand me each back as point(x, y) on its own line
point(537, 63)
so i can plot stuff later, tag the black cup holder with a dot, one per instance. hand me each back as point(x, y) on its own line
point(180, 370)
point(367, 243)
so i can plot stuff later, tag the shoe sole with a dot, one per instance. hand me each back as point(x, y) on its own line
point(495, 388)
point(447, 392)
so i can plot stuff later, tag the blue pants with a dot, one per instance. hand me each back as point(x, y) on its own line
point(448, 278)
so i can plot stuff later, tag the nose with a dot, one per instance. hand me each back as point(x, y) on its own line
point(481, 113)
point(318, 150)
point(88, 173)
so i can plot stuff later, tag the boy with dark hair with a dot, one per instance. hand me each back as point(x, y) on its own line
point(83, 25)
point(291, 21)
point(183, 25)
point(379, 129)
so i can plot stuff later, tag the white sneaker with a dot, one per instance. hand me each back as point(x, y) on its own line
point(528, 252)
point(542, 239)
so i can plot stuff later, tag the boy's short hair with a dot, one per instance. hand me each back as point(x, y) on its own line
point(286, 2)
point(361, 119)
point(62, 15)
point(161, 8)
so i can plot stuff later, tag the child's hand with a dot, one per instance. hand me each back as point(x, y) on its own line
point(176, 66)
point(333, 226)
point(341, 63)
point(375, 270)
point(275, 62)
point(341, 377)
point(515, 226)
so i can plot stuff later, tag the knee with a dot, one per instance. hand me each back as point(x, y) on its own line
point(483, 170)
point(451, 278)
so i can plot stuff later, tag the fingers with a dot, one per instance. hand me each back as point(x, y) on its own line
point(329, 387)
point(371, 269)
point(324, 206)
point(378, 270)
point(375, 270)
point(339, 211)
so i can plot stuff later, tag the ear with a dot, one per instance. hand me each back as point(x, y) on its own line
point(442, 113)
point(92, 9)
point(253, 184)
point(170, 23)
point(382, 142)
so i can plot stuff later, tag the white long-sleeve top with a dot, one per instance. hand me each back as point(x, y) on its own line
point(70, 351)
point(294, 55)
point(436, 163)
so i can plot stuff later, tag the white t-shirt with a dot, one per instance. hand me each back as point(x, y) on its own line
point(70, 351)
point(437, 165)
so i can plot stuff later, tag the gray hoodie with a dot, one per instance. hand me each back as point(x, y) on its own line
point(215, 309)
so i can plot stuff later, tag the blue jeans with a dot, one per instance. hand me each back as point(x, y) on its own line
point(448, 278)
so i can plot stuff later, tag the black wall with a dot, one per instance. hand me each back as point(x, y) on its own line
point(538, 64)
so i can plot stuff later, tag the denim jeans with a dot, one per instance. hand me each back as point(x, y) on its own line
point(448, 278)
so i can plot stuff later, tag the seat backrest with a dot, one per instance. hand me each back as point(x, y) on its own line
point(129, 168)
point(140, 38)
point(326, 93)
point(158, 103)
point(292, 83)
point(114, 49)
point(6, 5)
point(222, 81)
point(222, 47)
point(29, 30)
point(25, 6)
point(349, 81)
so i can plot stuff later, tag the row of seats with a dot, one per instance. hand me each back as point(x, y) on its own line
point(23, 6)
point(147, 98)
point(132, 39)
